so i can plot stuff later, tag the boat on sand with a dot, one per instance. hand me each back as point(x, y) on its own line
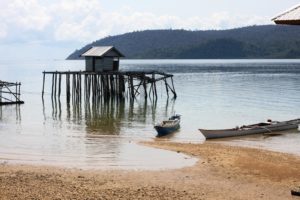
point(168, 126)
point(260, 128)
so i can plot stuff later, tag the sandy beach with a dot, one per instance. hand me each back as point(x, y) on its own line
point(222, 172)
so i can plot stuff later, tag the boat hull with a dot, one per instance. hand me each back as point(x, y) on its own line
point(281, 126)
point(163, 131)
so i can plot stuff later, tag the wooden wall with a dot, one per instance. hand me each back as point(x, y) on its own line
point(100, 64)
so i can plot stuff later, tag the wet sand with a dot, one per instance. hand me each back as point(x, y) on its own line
point(222, 172)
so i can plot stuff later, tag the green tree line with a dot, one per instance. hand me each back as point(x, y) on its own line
point(267, 41)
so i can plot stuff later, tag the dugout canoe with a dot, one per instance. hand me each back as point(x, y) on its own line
point(260, 128)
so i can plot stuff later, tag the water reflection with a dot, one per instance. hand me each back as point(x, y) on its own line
point(56, 108)
point(94, 143)
point(110, 117)
point(106, 117)
point(9, 112)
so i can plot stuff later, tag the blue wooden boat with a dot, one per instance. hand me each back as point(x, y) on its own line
point(168, 126)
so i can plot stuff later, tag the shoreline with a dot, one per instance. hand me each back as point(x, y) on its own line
point(222, 172)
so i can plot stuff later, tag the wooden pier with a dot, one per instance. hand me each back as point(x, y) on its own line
point(95, 86)
point(10, 93)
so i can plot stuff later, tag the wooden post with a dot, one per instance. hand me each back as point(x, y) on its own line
point(167, 89)
point(43, 84)
point(122, 85)
point(112, 85)
point(174, 92)
point(73, 87)
point(0, 95)
point(154, 83)
point(155, 90)
point(89, 87)
point(79, 86)
point(102, 86)
point(145, 86)
point(68, 87)
point(116, 85)
point(19, 96)
point(79, 81)
point(95, 87)
point(55, 84)
point(16, 92)
point(92, 87)
point(107, 87)
point(52, 91)
point(98, 87)
point(150, 89)
point(131, 87)
point(59, 85)
point(85, 88)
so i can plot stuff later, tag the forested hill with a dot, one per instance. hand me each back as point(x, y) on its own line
point(268, 41)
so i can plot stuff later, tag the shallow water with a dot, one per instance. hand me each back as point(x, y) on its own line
point(211, 94)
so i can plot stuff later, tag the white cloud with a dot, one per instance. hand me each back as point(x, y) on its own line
point(24, 14)
point(76, 19)
point(81, 20)
point(95, 23)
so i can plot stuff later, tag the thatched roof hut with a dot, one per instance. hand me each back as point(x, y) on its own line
point(291, 17)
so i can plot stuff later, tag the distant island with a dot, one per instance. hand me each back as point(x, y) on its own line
point(267, 41)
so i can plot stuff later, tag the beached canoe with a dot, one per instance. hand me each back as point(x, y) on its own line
point(168, 126)
point(260, 128)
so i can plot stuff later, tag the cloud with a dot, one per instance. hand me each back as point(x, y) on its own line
point(77, 20)
point(24, 15)
point(84, 21)
point(96, 23)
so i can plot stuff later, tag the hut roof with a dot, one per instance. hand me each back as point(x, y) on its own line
point(102, 51)
point(292, 17)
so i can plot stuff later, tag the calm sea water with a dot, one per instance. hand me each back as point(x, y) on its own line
point(211, 94)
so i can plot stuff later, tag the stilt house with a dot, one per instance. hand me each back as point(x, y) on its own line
point(102, 59)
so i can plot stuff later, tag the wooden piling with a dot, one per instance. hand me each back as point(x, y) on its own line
point(68, 87)
point(0, 95)
point(108, 85)
point(16, 96)
point(167, 89)
point(112, 89)
point(59, 86)
point(154, 84)
point(52, 91)
point(19, 96)
point(43, 90)
point(55, 84)
point(80, 87)
point(131, 87)
point(174, 92)
point(145, 86)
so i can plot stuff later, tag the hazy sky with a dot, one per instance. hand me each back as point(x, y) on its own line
point(75, 22)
